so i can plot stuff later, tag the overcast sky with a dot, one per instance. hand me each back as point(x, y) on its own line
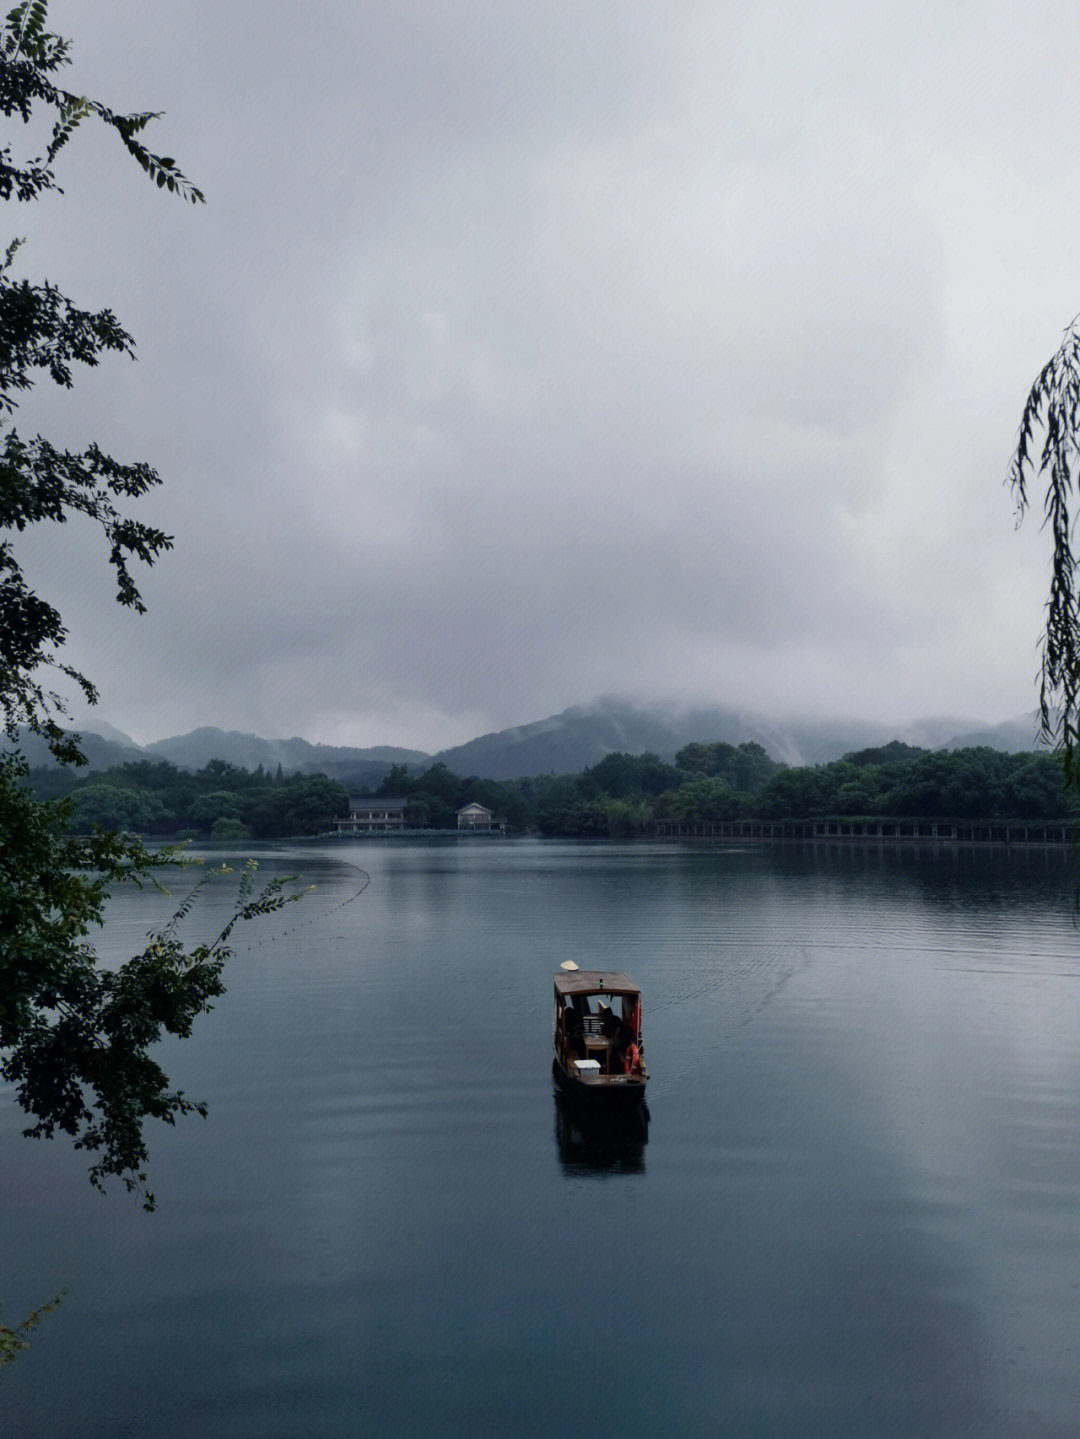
point(526, 352)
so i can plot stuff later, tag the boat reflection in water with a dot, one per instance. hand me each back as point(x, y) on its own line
point(599, 1141)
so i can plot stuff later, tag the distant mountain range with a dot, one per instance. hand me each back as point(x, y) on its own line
point(581, 736)
point(561, 744)
point(248, 751)
point(108, 746)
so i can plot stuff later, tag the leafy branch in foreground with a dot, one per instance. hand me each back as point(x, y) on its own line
point(42, 333)
point(1052, 408)
point(14, 1340)
point(75, 1039)
point(29, 55)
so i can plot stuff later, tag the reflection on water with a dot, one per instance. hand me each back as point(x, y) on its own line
point(859, 1218)
point(593, 1141)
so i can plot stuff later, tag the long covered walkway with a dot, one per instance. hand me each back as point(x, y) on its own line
point(871, 831)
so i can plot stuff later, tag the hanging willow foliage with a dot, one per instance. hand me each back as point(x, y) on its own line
point(1053, 409)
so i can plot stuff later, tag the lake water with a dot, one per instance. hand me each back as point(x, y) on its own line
point(855, 1211)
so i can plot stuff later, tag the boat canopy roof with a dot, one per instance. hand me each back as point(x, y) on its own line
point(595, 981)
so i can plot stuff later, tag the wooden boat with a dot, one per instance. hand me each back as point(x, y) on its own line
point(598, 1045)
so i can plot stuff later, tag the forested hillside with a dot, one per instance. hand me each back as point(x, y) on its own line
point(622, 795)
point(219, 801)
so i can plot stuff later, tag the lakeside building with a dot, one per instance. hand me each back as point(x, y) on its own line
point(369, 813)
point(476, 816)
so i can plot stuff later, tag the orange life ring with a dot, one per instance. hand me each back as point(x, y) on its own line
point(631, 1058)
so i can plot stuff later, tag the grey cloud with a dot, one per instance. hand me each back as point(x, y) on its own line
point(525, 353)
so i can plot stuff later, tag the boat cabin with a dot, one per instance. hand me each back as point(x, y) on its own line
point(598, 1026)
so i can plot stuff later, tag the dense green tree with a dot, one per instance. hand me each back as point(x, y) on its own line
point(75, 1040)
point(230, 829)
point(749, 769)
point(627, 817)
point(1033, 790)
point(215, 804)
point(745, 767)
point(620, 775)
point(224, 775)
point(700, 758)
point(794, 794)
point(300, 804)
point(396, 781)
point(115, 806)
point(889, 753)
point(555, 793)
point(418, 811)
point(701, 800)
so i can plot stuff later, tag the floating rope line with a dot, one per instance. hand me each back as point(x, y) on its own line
point(318, 917)
point(673, 1078)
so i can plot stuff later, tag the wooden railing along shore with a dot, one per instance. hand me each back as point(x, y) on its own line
point(878, 831)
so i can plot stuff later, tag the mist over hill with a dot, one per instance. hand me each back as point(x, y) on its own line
point(564, 743)
point(580, 736)
point(1011, 735)
point(100, 752)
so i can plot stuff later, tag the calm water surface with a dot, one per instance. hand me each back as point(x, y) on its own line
point(854, 1211)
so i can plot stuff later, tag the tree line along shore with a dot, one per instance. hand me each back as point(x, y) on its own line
point(621, 796)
